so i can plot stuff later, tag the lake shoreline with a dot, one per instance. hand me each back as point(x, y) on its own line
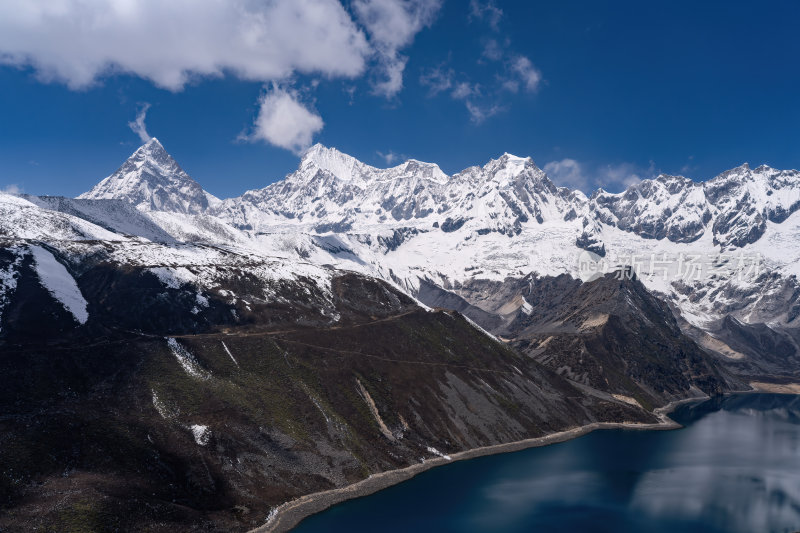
point(288, 515)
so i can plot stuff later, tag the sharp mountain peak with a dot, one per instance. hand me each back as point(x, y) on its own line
point(151, 179)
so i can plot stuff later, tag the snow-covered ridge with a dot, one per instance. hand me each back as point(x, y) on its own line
point(347, 168)
point(735, 205)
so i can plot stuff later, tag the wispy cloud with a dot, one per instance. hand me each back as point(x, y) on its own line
point(513, 73)
point(526, 72)
point(486, 11)
point(479, 105)
point(611, 177)
point(482, 101)
point(137, 125)
point(437, 79)
point(12, 188)
point(391, 157)
point(465, 90)
point(480, 112)
point(689, 167)
point(284, 121)
point(568, 173)
point(623, 175)
point(492, 50)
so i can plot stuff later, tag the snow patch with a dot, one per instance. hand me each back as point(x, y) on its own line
point(8, 281)
point(227, 351)
point(201, 434)
point(161, 407)
point(434, 451)
point(187, 360)
point(321, 410)
point(173, 278)
point(476, 326)
point(59, 282)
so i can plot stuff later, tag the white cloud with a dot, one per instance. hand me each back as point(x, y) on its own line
point(392, 83)
point(528, 74)
point(137, 125)
point(350, 91)
point(170, 43)
point(571, 173)
point(392, 25)
point(510, 85)
point(285, 122)
point(441, 79)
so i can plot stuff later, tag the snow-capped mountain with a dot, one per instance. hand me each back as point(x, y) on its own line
point(413, 222)
point(152, 180)
point(725, 247)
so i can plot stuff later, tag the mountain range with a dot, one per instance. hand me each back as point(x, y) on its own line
point(723, 248)
point(176, 360)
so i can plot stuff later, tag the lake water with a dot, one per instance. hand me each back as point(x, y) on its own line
point(735, 467)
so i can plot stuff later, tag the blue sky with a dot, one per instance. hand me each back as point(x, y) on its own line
point(598, 93)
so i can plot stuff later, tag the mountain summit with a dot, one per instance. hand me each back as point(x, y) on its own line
point(153, 181)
